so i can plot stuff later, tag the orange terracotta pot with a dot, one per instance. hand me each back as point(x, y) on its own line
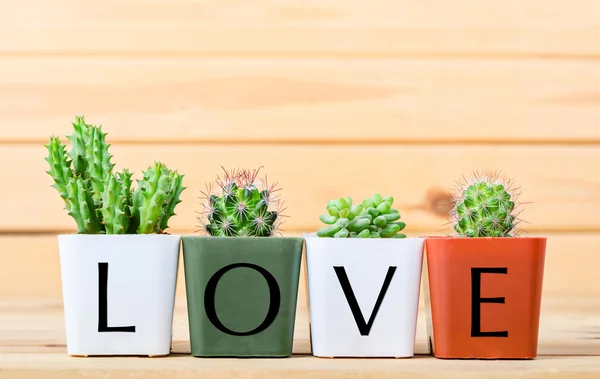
point(485, 296)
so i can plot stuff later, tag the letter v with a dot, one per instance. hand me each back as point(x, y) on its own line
point(364, 328)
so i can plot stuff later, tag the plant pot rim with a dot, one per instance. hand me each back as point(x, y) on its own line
point(454, 238)
point(229, 238)
point(115, 235)
point(314, 236)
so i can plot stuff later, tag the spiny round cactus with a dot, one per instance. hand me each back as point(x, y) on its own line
point(484, 207)
point(242, 206)
point(373, 218)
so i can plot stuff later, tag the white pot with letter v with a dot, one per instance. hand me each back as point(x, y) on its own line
point(119, 293)
point(363, 295)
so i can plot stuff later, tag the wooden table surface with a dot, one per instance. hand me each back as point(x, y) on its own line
point(32, 346)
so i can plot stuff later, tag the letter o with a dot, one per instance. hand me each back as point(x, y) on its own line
point(209, 299)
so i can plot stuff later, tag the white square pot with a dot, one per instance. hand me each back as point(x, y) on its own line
point(363, 265)
point(119, 293)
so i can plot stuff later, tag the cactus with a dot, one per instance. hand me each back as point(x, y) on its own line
point(78, 152)
point(116, 212)
point(60, 166)
point(242, 206)
point(97, 160)
point(373, 218)
point(155, 198)
point(485, 207)
point(174, 193)
point(81, 206)
point(103, 202)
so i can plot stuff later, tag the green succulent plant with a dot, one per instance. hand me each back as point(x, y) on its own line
point(241, 206)
point(484, 206)
point(102, 201)
point(373, 218)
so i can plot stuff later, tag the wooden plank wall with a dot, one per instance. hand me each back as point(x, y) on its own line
point(332, 97)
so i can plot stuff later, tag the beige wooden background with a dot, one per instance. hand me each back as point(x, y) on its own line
point(333, 98)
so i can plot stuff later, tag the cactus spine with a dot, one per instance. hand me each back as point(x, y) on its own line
point(373, 218)
point(103, 202)
point(485, 207)
point(242, 206)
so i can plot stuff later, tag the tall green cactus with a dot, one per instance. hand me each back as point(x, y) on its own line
point(241, 206)
point(103, 202)
point(115, 208)
point(153, 198)
point(81, 206)
point(98, 165)
point(78, 152)
point(373, 218)
point(484, 207)
point(60, 166)
point(174, 194)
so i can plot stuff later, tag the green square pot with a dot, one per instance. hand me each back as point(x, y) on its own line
point(242, 294)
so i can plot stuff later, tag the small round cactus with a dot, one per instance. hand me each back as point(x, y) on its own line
point(242, 206)
point(484, 207)
point(373, 218)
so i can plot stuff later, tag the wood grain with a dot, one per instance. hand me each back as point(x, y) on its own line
point(297, 367)
point(307, 101)
point(332, 98)
point(313, 27)
point(32, 343)
point(558, 191)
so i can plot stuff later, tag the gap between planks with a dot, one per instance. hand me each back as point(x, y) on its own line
point(308, 55)
point(325, 142)
point(414, 231)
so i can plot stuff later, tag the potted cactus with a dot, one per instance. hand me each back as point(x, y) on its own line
point(241, 279)
point(119, 270)
point(485, 281)
point(363, 281)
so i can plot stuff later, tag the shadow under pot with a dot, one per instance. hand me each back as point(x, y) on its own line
point(241, 294)
point(484, 296)
point(363, 295)
point(118, 293)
